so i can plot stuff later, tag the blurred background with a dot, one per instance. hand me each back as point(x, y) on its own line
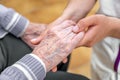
point(46, 11)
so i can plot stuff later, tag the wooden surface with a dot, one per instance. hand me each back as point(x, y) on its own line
point(45, 11)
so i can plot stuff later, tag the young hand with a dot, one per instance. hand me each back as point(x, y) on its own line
point(96, 28)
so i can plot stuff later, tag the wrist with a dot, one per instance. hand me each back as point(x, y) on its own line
point(40, 60)
point(50, 58)
point(34, 29)
point(43, 60)
point(114, 27)
point(28, 29)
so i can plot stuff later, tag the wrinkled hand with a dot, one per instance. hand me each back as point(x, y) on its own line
point(97, 27)
point(33, 31)
point(58, 44)
point(53, 24)
point(39, 38)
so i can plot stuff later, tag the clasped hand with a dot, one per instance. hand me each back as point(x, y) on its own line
point(57, 44)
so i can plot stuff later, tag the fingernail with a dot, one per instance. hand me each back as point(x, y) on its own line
point(76, 29)
point(33, 40)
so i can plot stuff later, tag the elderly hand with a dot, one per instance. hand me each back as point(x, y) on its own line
point(58, 44)
point(96, 28)
point(37, 40)
point(33, 31)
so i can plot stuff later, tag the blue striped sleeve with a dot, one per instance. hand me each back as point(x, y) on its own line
point(12, 21)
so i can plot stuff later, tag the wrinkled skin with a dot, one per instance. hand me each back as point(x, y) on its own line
point(58, 44)
point(33, 31)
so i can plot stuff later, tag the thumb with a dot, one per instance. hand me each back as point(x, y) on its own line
point(90, 37)
point(84, 24)
point(37, 40)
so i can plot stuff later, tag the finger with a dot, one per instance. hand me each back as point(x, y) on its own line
point(89, 37)
point(75, 29)
point(54, 69)
point(65, 60)
point(77, 38)
point(39, 38)
point(65, 32)
point(36, 40)
point(85, 23)
point(70, 36)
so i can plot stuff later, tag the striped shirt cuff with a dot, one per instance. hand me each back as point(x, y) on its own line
point(12, 21)
point(19, 25)
point(32, 68)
